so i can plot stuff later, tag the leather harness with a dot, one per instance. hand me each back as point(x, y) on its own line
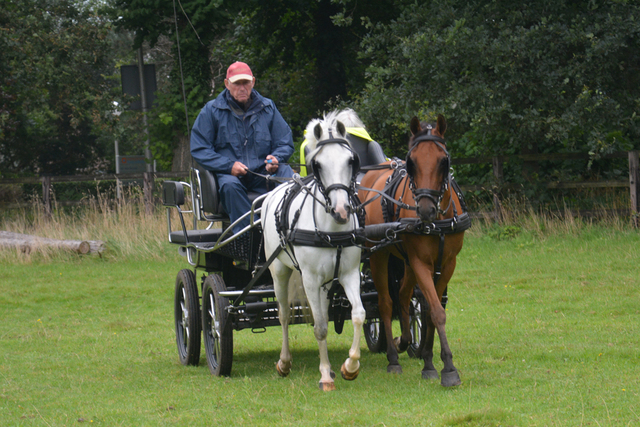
point(384, 234)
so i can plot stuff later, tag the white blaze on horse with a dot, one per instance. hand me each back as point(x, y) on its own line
point(309, 225)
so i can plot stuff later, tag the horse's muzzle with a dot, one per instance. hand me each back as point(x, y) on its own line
point(427, 212)
point(341, 215)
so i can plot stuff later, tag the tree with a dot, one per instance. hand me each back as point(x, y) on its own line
point(55, 99)
point(304, 52)
point(536, 76)
point(199, 22)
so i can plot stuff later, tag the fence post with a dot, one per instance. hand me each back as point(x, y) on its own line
point(148, 192)
point(634, 185)
point(497, 174)
point(46, 195)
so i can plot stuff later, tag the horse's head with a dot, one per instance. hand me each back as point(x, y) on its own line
point(334, 165)
point(428, 165)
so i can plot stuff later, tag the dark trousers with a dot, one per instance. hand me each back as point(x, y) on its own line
point(233, 192)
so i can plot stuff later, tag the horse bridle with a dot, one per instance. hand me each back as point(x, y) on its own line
point(351, 188)
point(436, 196)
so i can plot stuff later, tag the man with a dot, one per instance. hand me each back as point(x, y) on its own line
point(237, 133)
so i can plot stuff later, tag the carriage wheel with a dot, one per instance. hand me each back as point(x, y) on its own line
point(418, 313)
point(373, 328)
point(187, 318)
point(217, 327)
point(374, 336)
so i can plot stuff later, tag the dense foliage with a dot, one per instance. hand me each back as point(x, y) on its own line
point(55, 102)
point(305, 53)
point(512, 78)
point(195, 24)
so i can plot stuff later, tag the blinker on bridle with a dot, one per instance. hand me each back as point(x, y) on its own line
point(419, 193)
point(337, 186)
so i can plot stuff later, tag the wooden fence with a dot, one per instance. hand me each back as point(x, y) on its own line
point(147, 178)
point(496, 162)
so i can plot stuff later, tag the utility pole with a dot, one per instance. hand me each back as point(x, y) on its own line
point(148, 177)
point(145, 109)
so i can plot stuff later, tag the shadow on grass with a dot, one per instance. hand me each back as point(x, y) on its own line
point(482, 418)
point(261, 364)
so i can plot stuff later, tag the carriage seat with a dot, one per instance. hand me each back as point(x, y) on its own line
point(207, 206)
point(369, 151)
point(173, 196)
point(211, 208)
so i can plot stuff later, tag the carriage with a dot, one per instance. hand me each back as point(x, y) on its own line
point(229, 287)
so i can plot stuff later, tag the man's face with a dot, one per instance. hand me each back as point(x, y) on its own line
point(240, 90)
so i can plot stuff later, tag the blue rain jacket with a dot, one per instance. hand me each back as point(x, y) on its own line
point(220, 137)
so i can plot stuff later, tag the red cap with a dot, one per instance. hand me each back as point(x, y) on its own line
point(239, 71)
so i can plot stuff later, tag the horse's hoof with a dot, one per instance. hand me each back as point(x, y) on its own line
point(327, 386)
point(450, 379)
point(283, 368)
point(349, 376)
point(394, 369)
point(430, 374)
point(400, 346)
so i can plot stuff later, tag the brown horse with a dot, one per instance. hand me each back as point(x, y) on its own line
point(425, 194)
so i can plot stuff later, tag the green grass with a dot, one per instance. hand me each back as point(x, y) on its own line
point(544, 330)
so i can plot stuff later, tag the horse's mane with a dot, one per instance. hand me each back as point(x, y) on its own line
point(329, 121)
point(349, 118)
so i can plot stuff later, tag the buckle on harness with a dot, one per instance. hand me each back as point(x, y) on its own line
point(390, 234)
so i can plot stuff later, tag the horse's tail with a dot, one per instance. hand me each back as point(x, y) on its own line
point(298, 298)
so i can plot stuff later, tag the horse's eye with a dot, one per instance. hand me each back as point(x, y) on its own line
point(410, 166)
point(444, 165)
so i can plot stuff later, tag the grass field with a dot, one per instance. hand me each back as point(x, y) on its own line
point(544, 330)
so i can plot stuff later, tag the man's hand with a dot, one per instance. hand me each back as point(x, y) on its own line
point(238, 169)
point(272, 164)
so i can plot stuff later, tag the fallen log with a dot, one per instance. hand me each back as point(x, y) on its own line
point(28, 243)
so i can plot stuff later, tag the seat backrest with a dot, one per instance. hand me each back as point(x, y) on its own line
point(211, 203)
point(370, 152)
point(209, 192)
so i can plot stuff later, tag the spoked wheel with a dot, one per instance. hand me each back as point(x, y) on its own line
point(374, 336)
point(418, 313)
point(217, 330)
point(373, 328)
point(187, 318)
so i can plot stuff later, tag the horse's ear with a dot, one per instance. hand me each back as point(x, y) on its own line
point(442, 124)
point(415, 125)
point(317, 131)
point(341, 129)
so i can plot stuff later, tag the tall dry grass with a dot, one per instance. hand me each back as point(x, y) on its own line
point(128, 231)
point(518, 216)
point(122, 224)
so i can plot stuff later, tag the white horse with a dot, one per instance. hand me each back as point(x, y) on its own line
point(300, 216)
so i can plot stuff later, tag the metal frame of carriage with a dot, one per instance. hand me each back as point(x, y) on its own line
point(229, 286)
